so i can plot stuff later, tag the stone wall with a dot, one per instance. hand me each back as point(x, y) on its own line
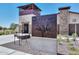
point(27, 19)
point(72, 17)
point(64, 21)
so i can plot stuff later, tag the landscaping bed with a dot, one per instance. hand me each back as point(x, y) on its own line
point(68, 45)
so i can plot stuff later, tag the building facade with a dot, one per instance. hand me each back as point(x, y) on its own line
point(31, 21)
point(72, 22)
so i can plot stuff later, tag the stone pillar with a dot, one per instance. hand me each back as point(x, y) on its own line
point(21, 26)
point(64, 20)
point(30, 28)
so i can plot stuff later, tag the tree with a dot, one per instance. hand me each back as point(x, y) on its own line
point(1, 27)
point(4, 28)
point(13, 26)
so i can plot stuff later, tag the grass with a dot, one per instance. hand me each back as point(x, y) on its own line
point(72, 50)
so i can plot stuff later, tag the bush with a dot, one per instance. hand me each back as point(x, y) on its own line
point(6, 32)
point(2, 33)
point(60, 39)
point(74, 35)
point(59, 36)
point(9, 32)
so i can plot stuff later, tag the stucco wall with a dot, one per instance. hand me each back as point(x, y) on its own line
point(74, 16)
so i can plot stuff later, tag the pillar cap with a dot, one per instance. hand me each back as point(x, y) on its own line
point(63, 8)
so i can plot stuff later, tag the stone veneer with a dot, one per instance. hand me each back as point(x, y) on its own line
point(64, 23)
point(25, 19)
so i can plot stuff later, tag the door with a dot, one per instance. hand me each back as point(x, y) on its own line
point(26, 28)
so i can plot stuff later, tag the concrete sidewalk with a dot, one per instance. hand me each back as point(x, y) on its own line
point(6, 39)
point(7, 51)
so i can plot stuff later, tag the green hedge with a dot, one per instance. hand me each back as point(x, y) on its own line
point(2, 33)
point(6, 32)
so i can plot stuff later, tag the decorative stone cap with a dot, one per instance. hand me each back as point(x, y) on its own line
point(63, 8)
point(30, 6)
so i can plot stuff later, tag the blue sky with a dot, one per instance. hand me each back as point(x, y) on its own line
point(9, 11)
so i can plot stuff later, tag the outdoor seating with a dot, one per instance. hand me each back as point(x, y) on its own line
point(21, 36)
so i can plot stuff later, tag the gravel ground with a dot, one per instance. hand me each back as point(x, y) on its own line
point(63, 48)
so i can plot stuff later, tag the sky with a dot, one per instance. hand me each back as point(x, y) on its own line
point(9, 13)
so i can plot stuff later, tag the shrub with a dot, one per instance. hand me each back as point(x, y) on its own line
point(1, 33)
point(59, 36)
point(6, 32)
point(63, 37)
point(60, 39)
point(74, 35)
point(73, 48)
